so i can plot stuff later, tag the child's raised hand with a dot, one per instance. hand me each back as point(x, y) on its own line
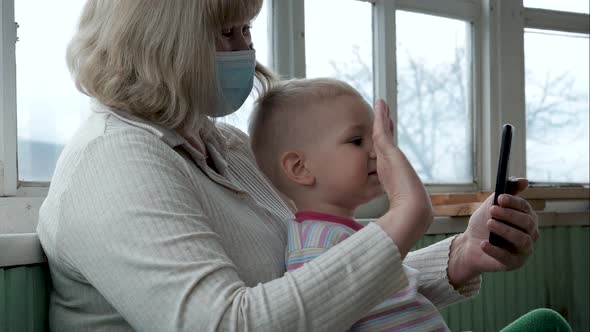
point(410, 210)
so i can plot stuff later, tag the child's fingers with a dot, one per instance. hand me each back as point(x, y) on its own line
point(390, 125)
point(388, 115)
point(382, 127)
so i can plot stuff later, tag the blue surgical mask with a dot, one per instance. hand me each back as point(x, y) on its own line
point(235, 74)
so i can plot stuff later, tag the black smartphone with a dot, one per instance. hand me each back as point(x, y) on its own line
point(502, 179)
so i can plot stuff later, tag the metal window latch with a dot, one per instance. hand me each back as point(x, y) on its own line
point(16, 26)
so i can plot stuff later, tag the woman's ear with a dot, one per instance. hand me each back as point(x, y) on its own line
point(293, 165)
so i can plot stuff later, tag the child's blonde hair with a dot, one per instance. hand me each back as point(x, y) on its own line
point(278, 114)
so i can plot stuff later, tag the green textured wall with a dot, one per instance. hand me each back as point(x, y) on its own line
point(557, 276)
point(24, 295)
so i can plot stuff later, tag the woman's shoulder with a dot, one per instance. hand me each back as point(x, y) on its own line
point(104, 138)
point(234, 137)
point(106, 131)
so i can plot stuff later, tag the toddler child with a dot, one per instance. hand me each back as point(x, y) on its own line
point(313, 140)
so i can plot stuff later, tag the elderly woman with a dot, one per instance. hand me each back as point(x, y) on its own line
point(157, 219)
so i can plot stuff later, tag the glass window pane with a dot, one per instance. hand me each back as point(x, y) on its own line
point(434, 96)
point(557, 107)
point(340, 44)
point(49, 106)
point(577, 6)
point(260, 38)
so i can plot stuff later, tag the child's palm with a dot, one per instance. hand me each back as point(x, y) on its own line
point(409, 203)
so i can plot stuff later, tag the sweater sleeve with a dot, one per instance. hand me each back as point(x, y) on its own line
point(432, 263)
point(137, 233)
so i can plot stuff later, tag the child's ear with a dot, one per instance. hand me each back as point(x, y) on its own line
point(293, 165)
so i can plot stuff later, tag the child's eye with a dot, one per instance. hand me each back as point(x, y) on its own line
point(357, 141)
point(246, 29)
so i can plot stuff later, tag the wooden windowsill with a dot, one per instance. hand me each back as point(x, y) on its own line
point(464, 204)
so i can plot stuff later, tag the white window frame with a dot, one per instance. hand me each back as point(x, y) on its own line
point(19, 201)
point(497, 67)
point(291, 34)
point(503, 86)
point(288, 37)
point(8, 171)
point(463, 10)
point(554, 20)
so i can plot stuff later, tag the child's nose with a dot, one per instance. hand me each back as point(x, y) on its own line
point(372, 154)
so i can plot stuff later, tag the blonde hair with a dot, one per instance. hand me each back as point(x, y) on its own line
point(273, 123)
point(154, 58)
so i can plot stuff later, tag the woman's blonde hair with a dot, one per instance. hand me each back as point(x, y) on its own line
point(156, 58)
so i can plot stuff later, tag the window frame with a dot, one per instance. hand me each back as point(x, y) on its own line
point(291, 34)
point(8, 136)
point(288, 37)
point(463, 10)
point(497, 82)
point(546, 19)
point(555, 21)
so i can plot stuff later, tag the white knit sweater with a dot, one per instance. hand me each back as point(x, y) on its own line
point(142, 235)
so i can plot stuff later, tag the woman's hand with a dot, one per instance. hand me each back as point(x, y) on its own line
point(472, 253)
point(410, 211)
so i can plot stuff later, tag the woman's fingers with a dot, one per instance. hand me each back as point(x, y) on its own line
point(516, 211)
point(508, 260)
point(521, 241)
point(518, 225)
point(516, 185)
point(514, 202)
point(521, 231)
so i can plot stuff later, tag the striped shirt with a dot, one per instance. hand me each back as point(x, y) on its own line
point(311, 234)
